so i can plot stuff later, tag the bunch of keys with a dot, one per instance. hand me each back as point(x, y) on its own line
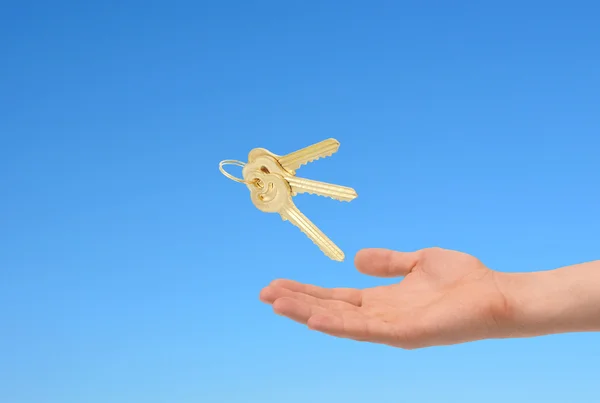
point(273, 182)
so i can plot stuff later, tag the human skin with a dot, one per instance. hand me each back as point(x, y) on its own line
point(444, 297)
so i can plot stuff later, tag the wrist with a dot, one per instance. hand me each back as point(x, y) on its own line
point(530, 307)
point(550, 302)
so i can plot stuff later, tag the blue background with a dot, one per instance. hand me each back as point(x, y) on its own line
point(130, 267)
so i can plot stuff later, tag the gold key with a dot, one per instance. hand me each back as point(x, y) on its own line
point(272, 183)
point(260, 158)
point(272, 194)
point(295, 160)
point(268, 164)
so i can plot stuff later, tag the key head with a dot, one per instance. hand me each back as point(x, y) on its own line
point(268, 160)
point(267, 164)
point(269, 192)
point(257, 152)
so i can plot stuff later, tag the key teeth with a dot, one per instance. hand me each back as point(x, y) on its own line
point(312, 160)
point(317, 158)
point(311, 187)
point(326, 196)
point(297, 159)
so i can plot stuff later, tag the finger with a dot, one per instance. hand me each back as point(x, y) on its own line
point(297, 310)
point(352, 326)
point(351, 323)
point(271, 293)
point(385, 263)
point(350, 295)
point(345, 324)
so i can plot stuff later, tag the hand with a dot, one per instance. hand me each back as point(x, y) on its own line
point(446, 297)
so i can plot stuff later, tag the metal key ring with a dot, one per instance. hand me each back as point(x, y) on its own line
point(230, 176)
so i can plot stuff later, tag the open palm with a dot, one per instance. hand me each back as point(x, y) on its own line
point(445, 297)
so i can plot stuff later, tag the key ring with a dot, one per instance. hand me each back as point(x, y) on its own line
point(227, 174)
point(235, 178)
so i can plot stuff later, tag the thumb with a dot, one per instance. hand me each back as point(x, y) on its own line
point(385, 262)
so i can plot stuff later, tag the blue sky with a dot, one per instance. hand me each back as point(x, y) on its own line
point(130, 267)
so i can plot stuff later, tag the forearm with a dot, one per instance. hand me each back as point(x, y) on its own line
point(555, 301)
